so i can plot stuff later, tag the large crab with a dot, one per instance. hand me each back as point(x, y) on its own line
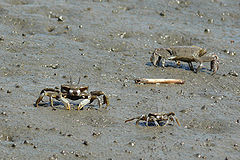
point(159, 119)
point(187, 54)
point(73, 92)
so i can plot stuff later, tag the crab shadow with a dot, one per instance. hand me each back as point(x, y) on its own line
point(152, 124)
point(60, 105)
point(181, 66)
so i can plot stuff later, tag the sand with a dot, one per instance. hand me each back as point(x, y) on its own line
point(108, 43)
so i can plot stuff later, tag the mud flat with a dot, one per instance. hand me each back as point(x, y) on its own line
point(107, 43)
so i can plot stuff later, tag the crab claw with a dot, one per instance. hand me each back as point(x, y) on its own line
point(96, 94)
point(50, 92)
point(83, 103)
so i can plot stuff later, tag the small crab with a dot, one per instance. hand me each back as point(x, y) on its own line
point(73, 92)
point(187, 54)
point(159, 119)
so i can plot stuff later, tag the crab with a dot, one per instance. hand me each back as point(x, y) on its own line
point(159, 119)
point(187, 54)
point(73, 92)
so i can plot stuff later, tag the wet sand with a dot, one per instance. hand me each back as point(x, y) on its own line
point(108, 44)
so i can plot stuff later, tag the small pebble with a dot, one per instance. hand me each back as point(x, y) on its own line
point(162, 14)
point(131, 144)
point(85, 142)
point(181, 143)
point(63, 152)
point(26, 142)
point(54, 157)
point(17, 86)
point(204, 108)
point(199, 14)
point(1, 38)
point(29, 126)
point(13, 145)
point(128, 151)
point(8, 91)
point(233, 73)
point(50, 29)
point(96, 134)
point(34, 147)
point(198, 155)
point(69, 135)
point(206, 30)
point(210, 20)
point(55, 66)
point(60, 19)
point(67, 27)
point(4, 113)
point(231, 53)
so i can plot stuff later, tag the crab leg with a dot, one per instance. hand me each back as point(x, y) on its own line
point(131, 119)
point(163, 63)
point(177, 121)
point(147, 121)
point(139, 118)
point(51, 101)
point(155, 121)
point(190, 66)
point(199, 66)
point(95, 97)
point(105, 101)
